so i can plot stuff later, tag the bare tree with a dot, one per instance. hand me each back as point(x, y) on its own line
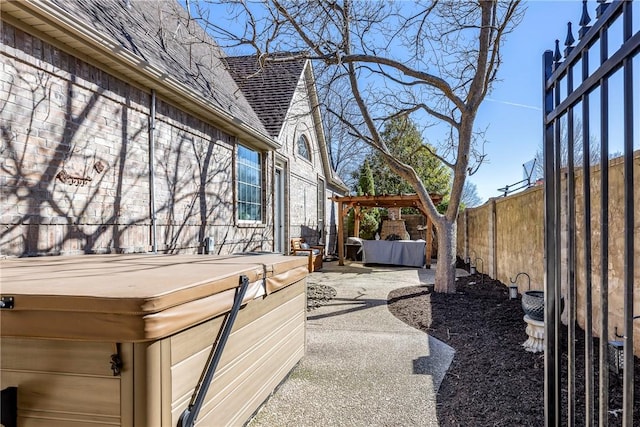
point(347, 151)
point(434, 60)
point(593, 147)
point(470, 197)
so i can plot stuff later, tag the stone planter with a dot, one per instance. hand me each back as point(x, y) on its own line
point(533, 304)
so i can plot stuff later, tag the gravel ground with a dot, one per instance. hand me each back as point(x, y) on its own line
point(318, 295)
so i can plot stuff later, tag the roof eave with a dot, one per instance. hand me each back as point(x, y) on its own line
point(76, 35)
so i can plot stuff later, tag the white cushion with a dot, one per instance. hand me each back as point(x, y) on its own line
point(306, 252)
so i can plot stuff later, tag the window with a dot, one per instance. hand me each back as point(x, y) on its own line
point(249, 177)
point(303, 148)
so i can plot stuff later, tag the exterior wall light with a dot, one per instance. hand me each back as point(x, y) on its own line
point(473, 269)
point(469, 260)
point(513, 291)
point(513, 286)
point(616, 356)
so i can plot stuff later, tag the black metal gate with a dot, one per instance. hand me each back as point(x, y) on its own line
point(589, 97)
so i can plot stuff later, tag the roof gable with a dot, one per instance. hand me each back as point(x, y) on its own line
point(270, 88)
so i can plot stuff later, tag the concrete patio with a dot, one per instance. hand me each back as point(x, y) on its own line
point(363, 366)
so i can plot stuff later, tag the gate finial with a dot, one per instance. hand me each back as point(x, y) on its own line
point(601, 8)
point(556, 55)
point(568, 42)
point(584, 20)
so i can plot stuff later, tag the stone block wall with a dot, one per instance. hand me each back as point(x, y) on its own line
point(615, 265)
point(514, 234)
point(74, 172)
point(413, 223)
point(479, 242)
point(505, 236)
point(519, 238)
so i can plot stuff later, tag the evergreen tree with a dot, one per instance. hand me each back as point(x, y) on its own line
point(405, 143)
point(369, 217)
point(365, 182)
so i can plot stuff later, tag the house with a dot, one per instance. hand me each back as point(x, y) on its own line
point(124, 131)
point(283, 94)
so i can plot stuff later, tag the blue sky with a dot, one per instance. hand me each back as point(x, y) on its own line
point(513, 111)
point(512, 114)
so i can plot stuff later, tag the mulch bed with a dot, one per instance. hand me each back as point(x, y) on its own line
point(493, 381)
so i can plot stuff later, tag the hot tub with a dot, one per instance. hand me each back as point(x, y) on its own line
point(123, 339)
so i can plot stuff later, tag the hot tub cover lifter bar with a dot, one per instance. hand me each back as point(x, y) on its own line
point(189, 415)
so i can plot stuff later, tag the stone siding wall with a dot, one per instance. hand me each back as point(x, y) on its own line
point(75, 163)
point(331, 226)
point(303, 173)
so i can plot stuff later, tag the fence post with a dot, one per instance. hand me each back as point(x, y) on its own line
point(493, 247)
point(551, 392)
point(467, 255)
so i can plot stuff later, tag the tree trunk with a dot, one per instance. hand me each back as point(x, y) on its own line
point(446, 266)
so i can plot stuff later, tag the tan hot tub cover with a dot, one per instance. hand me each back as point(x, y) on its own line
point(130, 298)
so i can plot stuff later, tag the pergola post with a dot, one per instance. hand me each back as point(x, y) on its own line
point(356, 223)
point(340, 233)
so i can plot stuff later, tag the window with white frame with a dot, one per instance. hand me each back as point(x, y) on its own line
point(304, 150)
point(249, 184)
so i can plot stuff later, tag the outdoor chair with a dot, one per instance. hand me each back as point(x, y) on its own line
point(315, 253)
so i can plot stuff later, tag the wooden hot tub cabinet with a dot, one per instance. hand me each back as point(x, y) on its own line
point(122, 340)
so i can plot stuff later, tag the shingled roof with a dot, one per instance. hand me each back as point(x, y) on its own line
point(270, 88)
point(161, 34)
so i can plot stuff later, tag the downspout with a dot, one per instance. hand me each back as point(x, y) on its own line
point(152, 172)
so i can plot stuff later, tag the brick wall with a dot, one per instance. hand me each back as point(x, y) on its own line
point(75, 163)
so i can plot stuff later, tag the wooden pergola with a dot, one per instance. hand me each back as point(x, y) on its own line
point(386, 201)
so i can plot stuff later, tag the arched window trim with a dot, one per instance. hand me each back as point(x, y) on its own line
point(303, 141)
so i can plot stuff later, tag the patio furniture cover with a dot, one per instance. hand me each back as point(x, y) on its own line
point(409, 253)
